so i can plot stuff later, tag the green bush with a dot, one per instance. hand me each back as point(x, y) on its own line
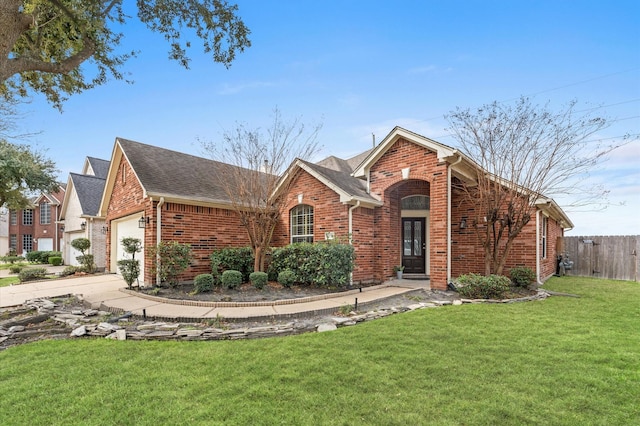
point(33, 256)
point(259, 279)
point(231, 279)
point(30, 274)
point(234, 258)
point(321, 264)
point(203, 283)
point(15, 269)
point(174, 258)
point(12, 259)
point(522, 276)
point(87, 263)
point(476, 286)
point(287, 278)
point(69, 270)
point(55, 260)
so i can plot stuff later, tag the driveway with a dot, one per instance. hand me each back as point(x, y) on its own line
point(94, 284)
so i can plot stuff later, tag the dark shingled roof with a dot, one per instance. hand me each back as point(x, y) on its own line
point(342, 179)
point(170, 173)
point(89, 189)
point(100, 167)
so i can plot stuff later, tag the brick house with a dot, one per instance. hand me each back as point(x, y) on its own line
point(79, 212)
point(36, 228)
point(394, 203)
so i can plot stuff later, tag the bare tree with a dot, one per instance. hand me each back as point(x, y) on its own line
point(257, 159)
point(523, 154)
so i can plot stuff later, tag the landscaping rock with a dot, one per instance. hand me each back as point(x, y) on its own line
point(80, 331)
point(326, 327)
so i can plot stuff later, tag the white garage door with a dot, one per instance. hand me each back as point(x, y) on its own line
point(45, 244)
point(73, 253)
point(128, 228)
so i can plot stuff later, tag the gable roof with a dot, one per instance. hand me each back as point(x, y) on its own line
point(176, 176)
point(99, 167)
point(89, 189)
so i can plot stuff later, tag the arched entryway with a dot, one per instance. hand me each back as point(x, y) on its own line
point(414, 213)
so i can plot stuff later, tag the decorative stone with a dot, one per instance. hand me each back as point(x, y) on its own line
point(326, 327)
point(90, 313)
point(80, 331)
point(121, 334)
point(105, 326)
point(457, 302)
point(16, 329)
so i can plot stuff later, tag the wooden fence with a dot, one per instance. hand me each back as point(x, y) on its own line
point(614, 257)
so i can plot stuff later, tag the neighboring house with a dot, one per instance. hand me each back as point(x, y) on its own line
point(36, 228)
point(4, 231)
point(79, 212)
point(394, 203)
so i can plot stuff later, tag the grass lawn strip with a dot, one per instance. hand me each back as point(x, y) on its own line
point(559, 361)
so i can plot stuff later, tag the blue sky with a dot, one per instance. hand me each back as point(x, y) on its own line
point(363, 67)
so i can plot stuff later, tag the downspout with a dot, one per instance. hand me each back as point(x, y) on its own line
point(158, 236)
point(538, 268)
point(351, 209)
point(449, 217)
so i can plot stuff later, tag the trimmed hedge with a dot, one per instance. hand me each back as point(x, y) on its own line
point(475, 286)
point(203, 283)
point(320, 264)
point(287, 278)
point(522, 276)
point(31, 274)
point(232, 258)
point(37, 256)
point(55, 260)
point(259, 279)
point(231, 279)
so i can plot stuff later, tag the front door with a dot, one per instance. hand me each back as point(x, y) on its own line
point(413, 245)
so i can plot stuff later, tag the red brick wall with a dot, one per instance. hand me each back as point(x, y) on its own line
point(387, 184)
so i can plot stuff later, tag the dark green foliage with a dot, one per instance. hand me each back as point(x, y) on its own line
point(522, 276)
point(287, 277)
point(475, 286)
point(174, 258)
point(320, 264)
point(231, 279)
point(235, 258)
point(130, 268)
point(37, 256)
point(259, 279)
point(86, 260)
point(30, 274)
point(33, 256)
point(203, 283)
point(69, 270)
point(12, 259)
point(81, 244)
point(55, 260)
point(15, 269)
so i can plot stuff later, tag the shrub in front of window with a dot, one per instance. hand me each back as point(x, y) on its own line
point(31, 274)
point(33, 256)
point(203, 283)
point(231, 279)
point(475, 286)
point(522, 276)
point(287, 278)
point(259, 279)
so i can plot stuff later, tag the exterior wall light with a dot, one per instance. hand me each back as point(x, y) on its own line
point(142, 223)
point(463, 223)
point(83, 225)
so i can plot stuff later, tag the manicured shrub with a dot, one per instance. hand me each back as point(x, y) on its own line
point(234, 258)
point(476, 286)
point(287, 278)
point(12, 259)
point(231, 279)
point(33, 256)
point(130, 268)
point(86, 260)
point(30, 274)
point(321, 264)
point(522, 276)
point(203, 283)
point(174, 257)
point(259, 279)
point(15, 269)
point(55, 260)
point(69, 270)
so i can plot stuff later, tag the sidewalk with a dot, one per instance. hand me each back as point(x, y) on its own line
point(104, 292)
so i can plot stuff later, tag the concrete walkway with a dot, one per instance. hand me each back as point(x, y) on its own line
point(104, 292)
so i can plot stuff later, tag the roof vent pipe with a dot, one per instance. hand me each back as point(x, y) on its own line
point(373, 136)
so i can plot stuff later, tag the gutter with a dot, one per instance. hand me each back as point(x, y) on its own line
point(449, 214)
point(158, 236)
point(538, 267)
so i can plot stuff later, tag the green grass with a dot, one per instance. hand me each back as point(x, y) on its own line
point(564, 361)
point(9, 280)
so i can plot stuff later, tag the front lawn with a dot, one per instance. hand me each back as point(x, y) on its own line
point(559, 361)
point(5, 281)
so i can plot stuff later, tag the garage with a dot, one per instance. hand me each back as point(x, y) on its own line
point(126, 227)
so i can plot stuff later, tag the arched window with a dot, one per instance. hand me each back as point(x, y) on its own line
point(301, 224)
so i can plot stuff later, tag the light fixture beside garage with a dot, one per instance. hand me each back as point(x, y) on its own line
point(83, 225)
point(105, 229)
point(142, 222)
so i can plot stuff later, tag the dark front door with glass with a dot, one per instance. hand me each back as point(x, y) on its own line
point(413, 245)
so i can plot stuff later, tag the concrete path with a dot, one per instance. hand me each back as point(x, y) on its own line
point(104, 292)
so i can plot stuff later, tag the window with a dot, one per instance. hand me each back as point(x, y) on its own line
point(13, 242)
point(45, 214)
point(302, 224)
point(13, 217)
point(543, 233)
point(27, 217)
point(27, 242)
